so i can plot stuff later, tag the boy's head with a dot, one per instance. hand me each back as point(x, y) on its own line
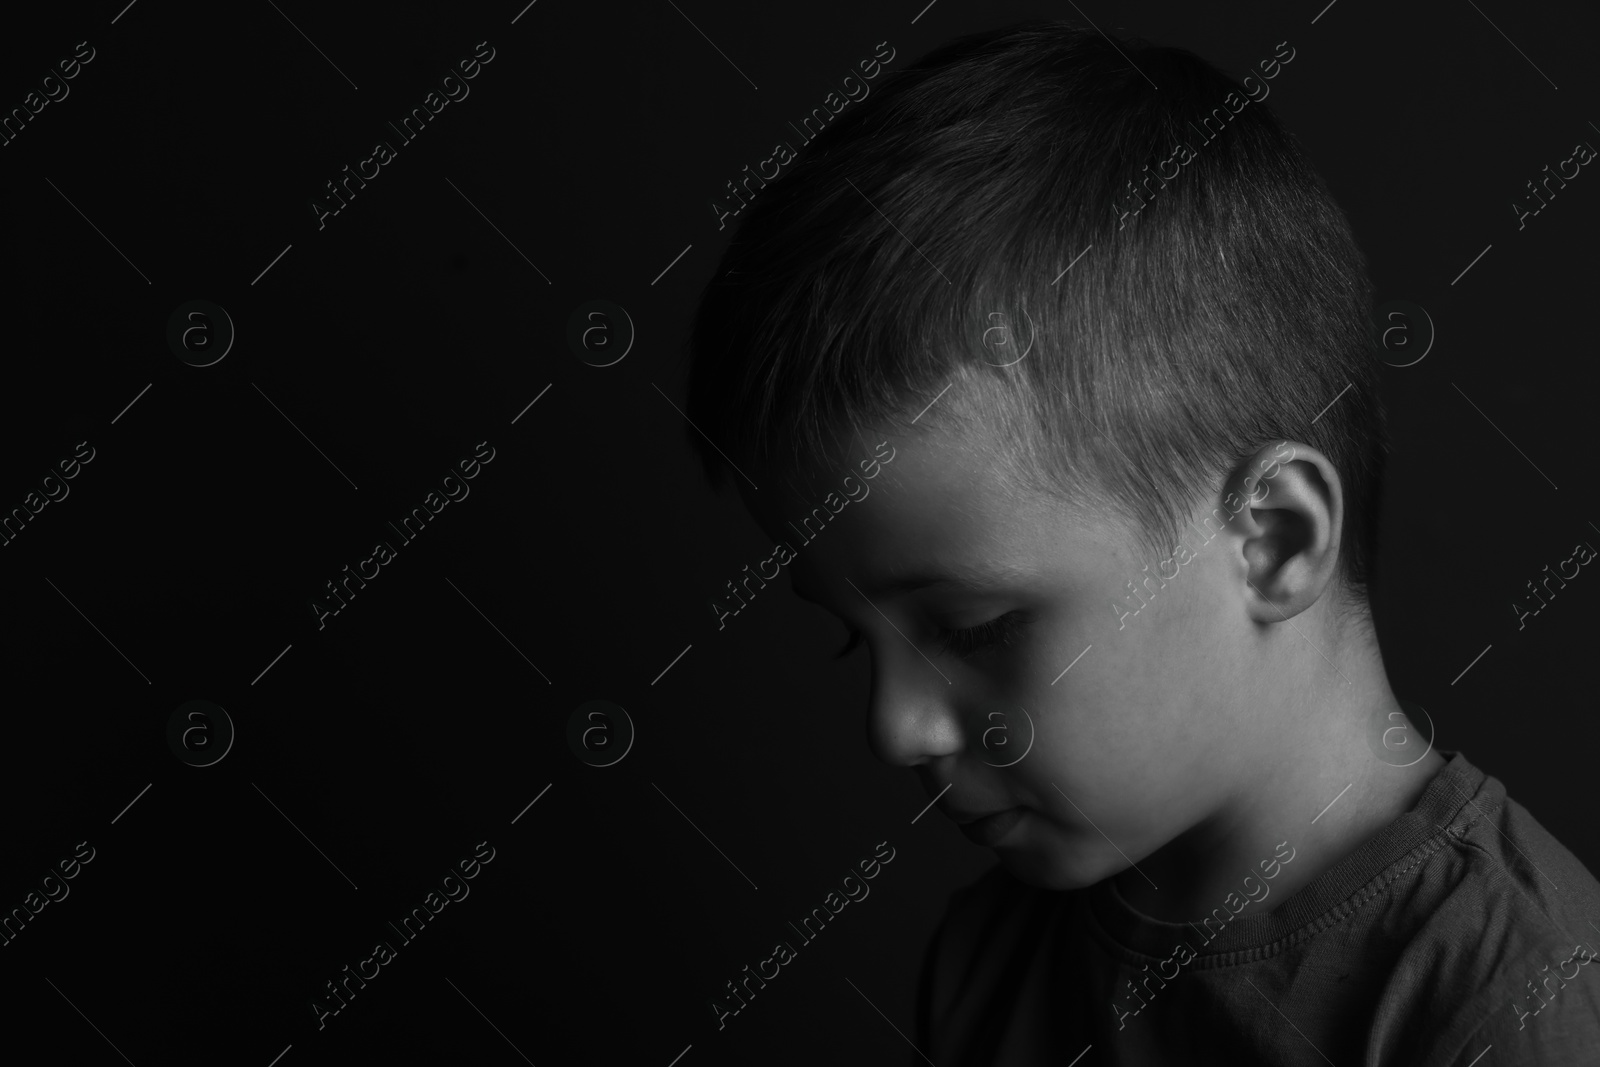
point(1117, 332)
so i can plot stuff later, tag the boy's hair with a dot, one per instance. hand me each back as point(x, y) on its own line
point(1225, 313)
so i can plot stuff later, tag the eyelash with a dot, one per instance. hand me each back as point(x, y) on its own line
point(968, 642)
point(1002, 630)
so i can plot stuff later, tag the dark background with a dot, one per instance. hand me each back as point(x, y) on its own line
point(408, 330)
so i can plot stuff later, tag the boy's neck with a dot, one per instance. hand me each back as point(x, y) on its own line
point(1324, 795)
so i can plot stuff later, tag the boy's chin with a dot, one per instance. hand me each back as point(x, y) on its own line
point(1055, 870)
point(1060, 866)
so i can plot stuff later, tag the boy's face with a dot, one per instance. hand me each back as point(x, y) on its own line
point(1151, 727)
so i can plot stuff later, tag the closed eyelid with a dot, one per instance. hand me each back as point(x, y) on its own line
point(1002, 630)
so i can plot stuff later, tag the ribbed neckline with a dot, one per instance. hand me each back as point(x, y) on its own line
point(1442, 806)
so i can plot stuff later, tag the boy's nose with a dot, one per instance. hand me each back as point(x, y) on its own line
point(912, 716)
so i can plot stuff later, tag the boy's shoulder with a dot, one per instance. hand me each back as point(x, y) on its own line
point(1469, 923)
point(1500, 948)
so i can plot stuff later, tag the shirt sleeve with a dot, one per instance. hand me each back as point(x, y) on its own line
point(1546, 1026)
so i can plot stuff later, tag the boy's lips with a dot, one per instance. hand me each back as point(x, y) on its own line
point(961, 817)
point(989, 830)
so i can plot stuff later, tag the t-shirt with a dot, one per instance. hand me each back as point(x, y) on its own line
point(1460, 935)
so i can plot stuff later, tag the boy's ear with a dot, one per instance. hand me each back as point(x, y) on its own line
point(1287, 532)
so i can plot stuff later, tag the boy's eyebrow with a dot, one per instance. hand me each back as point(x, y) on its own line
point(958, 574)
point(926, 577)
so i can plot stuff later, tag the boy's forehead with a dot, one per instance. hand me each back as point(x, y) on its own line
point(928, 463)
point(970, 428)
point(939, 498)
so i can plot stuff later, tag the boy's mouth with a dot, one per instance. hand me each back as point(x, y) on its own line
point(989, 830)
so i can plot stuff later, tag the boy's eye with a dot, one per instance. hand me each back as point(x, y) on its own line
point(998, 631)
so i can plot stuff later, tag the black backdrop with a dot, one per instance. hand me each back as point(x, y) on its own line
point(373, 354)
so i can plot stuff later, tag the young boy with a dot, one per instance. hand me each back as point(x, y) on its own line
point(1076, 344)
